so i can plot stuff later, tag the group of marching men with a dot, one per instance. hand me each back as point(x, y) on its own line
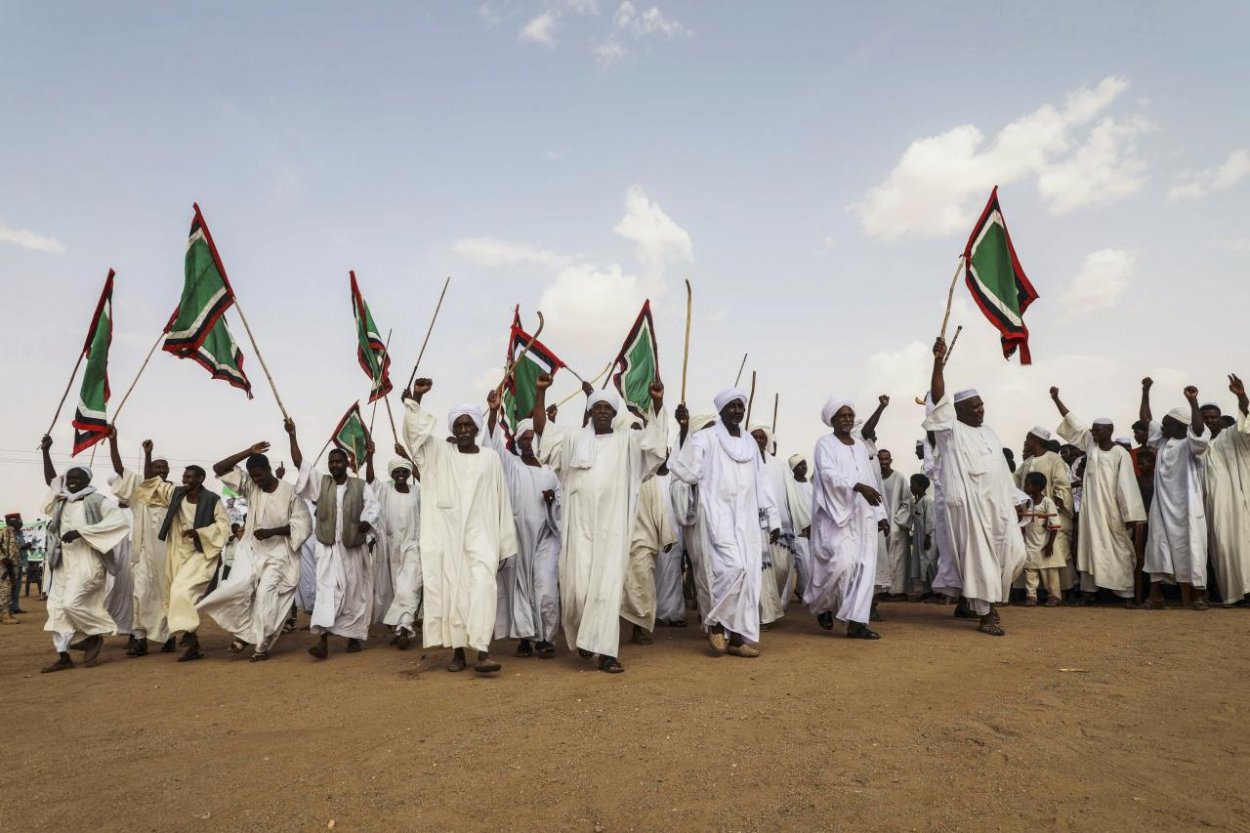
point(477, 537)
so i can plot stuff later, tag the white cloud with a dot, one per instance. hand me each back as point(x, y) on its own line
point(30, 240)
point(588, 303)
point(541, 29)
point(492, 253)
point(938, 184)
point(648, 23)
point(656, 237)
point(609, 52)
point(1103, 278)
point(1192, 185)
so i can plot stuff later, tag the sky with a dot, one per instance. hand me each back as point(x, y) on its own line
point(812, 169)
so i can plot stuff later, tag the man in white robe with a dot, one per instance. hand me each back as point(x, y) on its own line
point(529, 585)
point(736, 508)
point(253, 603)
point(601, 470)
point(799, 504)
point(1176, 551)
point(1111, 505)
point(652, 537)
point(1228, 496)
point(777, 585)
point(398, 532)
point(670, 598)
point(467, 529)
point(345, 511)
point(980, 499)
point(848, 512)
point(896, 497)
point(85, 527)
point(147, 551)
point(1037, 457)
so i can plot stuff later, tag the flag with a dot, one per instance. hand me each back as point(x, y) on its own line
point(90, 420)
point(521, 387)
point(351, 436)
point(997, 281)
point(197, 329)
point(371, 351)
point(638, 364)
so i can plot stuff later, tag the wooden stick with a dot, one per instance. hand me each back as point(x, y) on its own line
point(685, 355)
point(950, 296)
point(142, 367)
point(517, 360)
point(386, 349)
point(65, 395)
point(390, 415)
point(750, 402)
point(598, 376)
point(954, 341)
point(261, 358)
point(738, 378)
point(429, 330)
point(776, 405)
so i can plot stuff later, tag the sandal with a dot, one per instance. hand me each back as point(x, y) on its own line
point(456, 664)
point(486, 665)
point(584, 654)
point(1201, 604)
point(259, 656)
point(546, 650)
point(524, 649)
point(991, 629)
point(1053, 601)
point(1031, 601)
point(858, 631)
point(402, 641)
point(611, 665)
point(193, 653)
point(237, 646)
point(1153, 604)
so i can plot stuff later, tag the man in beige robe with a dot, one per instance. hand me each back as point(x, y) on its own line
point(653, 534)
point(1036, 457)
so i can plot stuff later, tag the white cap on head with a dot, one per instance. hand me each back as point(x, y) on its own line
point(1181, 415)
point(726, 396)
point(523, 426)
point(608, 395)
point(1103, 421)
point(1123, 441)
point(966, 394)
point(834, 404)
point(84, 469)
point(397, 464)
point(469, 409)
point(795, 459)
point(1041, 433)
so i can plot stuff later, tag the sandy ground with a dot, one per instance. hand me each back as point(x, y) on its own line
point(933, 728)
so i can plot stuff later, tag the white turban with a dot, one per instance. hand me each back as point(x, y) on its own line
point(1103, 421)
point(835, 404)
point(1181, 415)
point(1040, 432)
point(966, 394)
point(726, 396)
point(469, 409)
point(608, 395)
point(795, 459)
point(523, 426)
point(397, 464)
point(770, 442)
point(1123, 441)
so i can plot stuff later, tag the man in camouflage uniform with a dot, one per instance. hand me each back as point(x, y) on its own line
point(10, 570)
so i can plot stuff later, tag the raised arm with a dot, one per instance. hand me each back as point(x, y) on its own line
point(297, 456)
point(148, 471)
point(1143, 413)
point(227, 465)
point(1238, 389)
point(369, 449)
point(49, 471)
point(683, 423)
point(492, 416)
point(1196, 423)
point(540, 402)
point(937, 383)
point(869, 431)
point(1054, 397)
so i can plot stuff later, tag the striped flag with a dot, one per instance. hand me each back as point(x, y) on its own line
point(521, 387)
point(371, 351)
point(90, 418)
point(638, 364)
point(351, 436)
point(997, 280)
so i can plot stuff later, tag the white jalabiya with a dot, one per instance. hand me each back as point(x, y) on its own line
point(253, 603)
point(119, 587)
point(653, 534)
point(399, 526)
point(147, 559)
point(306, 592)
point(799, 502)
point(670, 599)
point(844, 536)
point(734, 501)
point(685, 503)
point(76, 586)
point(980, 500)
point(1059, 490)
point(946, 570)
point(467, 531)
point(892, 547)
point(1177, 548)
point(601, 475)
point(529, 585)
point(401, 520)
point(1228, 510)
point(344, 596)
point(1110, 499)
point(781, 554)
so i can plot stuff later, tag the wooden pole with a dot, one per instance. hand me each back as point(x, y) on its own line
point(429, 330)
point(738, 378)
point(391, 416)
point(950, 296)
point(386, 350)
point(685, 355)
point(524, 351)
point(954, 341)
point(598, 376)
point(261, 358)
point(776, 405)
point(750, 402)
point(142, 367)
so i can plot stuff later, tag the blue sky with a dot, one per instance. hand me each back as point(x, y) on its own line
point(812, 168)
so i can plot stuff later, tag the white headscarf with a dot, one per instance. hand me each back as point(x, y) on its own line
point(1181, 415)
point(834, 404)
point(469, 409)
point(523, 426)
point(794, 461)
point(1103, 421)
point(608, 395)
point(63, 492)
point(726, 396)
point(397, 464)
point(770, 442)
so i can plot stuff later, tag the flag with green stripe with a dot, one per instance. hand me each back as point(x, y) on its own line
point(351, 436)
point(90, 418)
point(371, 350)
point(638, 364)
point(521, 387)
point(997, 280)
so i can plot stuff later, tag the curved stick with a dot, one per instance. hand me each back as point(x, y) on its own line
point(950, 296)
point(750, 402)
point(685, 356)
point(598, 376)
point(524, 350)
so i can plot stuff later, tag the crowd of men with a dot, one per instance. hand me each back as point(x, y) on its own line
point(479, 534)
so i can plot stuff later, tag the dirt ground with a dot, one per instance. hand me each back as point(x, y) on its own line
point(933, 728)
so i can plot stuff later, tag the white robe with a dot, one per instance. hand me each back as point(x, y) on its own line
point(799, 501)
point(734, 502)
point(1177, 548)
point(892, 546)
point(653, 535)
point(844, 537)
point(529, 585)
point(980, 500)
point(402, 522)
point(306, 592)
point(253, 603)
point(467, 532)
point(685, 503)
point(76, 586)
point(1110, 499)
point(780, 554)
point(670, 599)
point(119, 587)
point(344, 598)
point(147, 560)
point(1228, 510)
point(398, 526)
point(600, 475)
point(946, 570)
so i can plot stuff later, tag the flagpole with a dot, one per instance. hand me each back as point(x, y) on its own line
point(82, 353)
point(738, 378)
point(685, 355)
point(598, 376)
point(776, 405)
point(391, 416)
point(433, 318)
point(950, 296)
point(524, 351)
point(260, 356)
point(750, 402)
point(142, 367)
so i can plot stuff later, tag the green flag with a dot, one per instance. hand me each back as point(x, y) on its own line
point(638, 364)
point(90, 419)
point(371, 351)
point(521, 388)
point(351, 436)
point(997, 280)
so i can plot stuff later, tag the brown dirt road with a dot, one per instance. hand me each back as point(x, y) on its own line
point(934, 728)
